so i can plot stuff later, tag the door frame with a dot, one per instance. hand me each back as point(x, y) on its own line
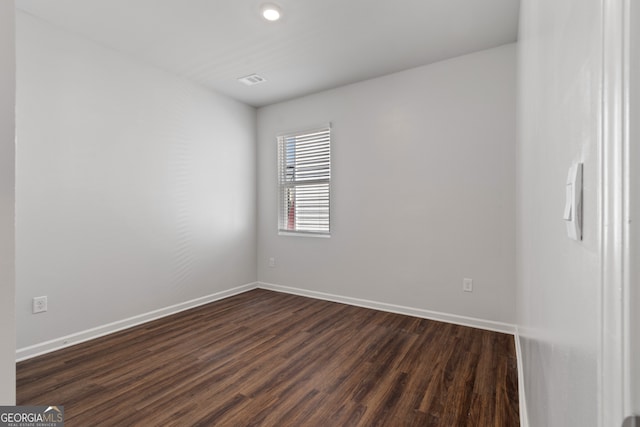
point(619, 337)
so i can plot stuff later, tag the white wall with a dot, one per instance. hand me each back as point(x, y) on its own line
point(558, 278)
point(135, 189)
point(423, 190)
point(7, 202)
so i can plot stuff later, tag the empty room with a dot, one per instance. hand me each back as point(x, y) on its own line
point(319, 213)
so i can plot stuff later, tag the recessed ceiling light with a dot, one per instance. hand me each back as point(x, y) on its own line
point(271, 12)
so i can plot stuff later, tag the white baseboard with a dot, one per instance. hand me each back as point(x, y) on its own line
point(409, 311)
point(524, 416)
point(89, 334)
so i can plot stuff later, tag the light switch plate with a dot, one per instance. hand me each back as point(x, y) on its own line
point(573, 203)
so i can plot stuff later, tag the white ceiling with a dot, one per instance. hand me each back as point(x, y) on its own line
point(319, 44)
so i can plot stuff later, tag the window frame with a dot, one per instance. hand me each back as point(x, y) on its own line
point(280, 185)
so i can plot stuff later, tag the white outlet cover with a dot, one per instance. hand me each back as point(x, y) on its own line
point(39, 305)
point(467, 285)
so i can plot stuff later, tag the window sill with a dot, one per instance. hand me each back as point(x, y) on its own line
point(302, 234)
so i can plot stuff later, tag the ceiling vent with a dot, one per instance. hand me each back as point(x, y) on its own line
point(252, 79)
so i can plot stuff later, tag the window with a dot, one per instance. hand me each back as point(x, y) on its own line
point(304, 170)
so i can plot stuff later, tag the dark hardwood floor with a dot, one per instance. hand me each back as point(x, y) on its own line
point(269, 359)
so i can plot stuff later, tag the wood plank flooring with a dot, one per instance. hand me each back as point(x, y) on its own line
point(268, 359)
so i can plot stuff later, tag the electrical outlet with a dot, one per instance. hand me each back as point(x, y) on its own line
point(272, 262)
point(467, 285)
point(39, 305)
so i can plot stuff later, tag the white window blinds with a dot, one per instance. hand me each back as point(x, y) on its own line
point(304, 169)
